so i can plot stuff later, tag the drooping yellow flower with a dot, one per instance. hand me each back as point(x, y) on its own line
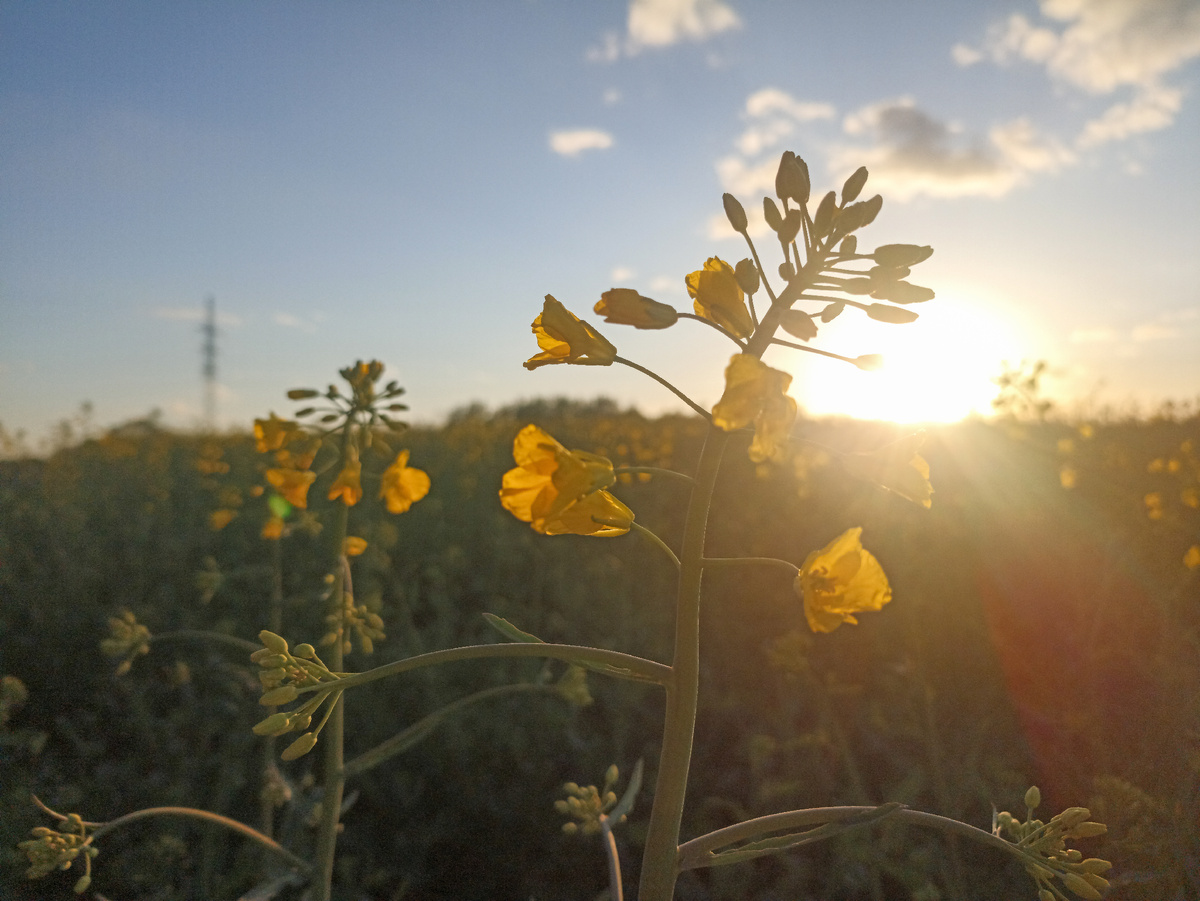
point(840, 580)
point(565, 338)
point(718, 297)
point(599, 514)
point(402, 486)
point(348, 485)
point(898, 468)
point(756, 393)
point(550, 480)
point(293, 484)
point(272, 434)
point(625, 306)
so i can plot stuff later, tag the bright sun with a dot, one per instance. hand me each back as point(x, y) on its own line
point(938, 369)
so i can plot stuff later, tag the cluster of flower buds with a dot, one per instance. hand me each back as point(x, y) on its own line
point(282, 673)
point(50, 850)
point(587, 805)
point(1047, 855)
point(127, 639)
point(356, 618)
point(364, 398)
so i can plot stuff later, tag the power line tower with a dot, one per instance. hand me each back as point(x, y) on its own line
point(209, 351)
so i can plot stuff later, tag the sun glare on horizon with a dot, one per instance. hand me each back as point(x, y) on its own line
point(938, 369)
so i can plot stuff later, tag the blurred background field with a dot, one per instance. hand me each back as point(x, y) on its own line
point(1044, 630)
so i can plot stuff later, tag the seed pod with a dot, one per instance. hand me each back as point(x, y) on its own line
point(735, 213)
point(772, 215)
point(747, 276)
point(302, 393)
point(854, 185)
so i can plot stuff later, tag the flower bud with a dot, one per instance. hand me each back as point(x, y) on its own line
point(799, 324)
point(1080, 886)
point(848, 247)
point(869, 362)
point(771, 214)
point(735, 213)
point(1033, 797)
point(854, 185)
point(826, 212)
point(624, 306)
point(791, 179)
point(304, 651)
point(275, 724)
point(832, 311)
point(881, 312)
point(787, 271)
point(301, 393)
point(300, 746)
point(901, 254)
point(747, 276)
point(284, 694)
point(275, 642)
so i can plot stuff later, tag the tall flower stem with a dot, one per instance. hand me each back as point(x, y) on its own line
point(334, 780)
point(659, 867)
point(266, 804)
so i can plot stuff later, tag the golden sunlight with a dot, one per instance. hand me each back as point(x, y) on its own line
point(939, 369)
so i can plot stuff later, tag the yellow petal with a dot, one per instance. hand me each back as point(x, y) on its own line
point(401, 485)
point(565, 338)
point(840, 580)
point(718, 297)
point(625, 306)
point(353, 546)
point(598, 514)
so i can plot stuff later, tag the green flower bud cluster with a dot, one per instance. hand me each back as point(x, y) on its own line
point(365, 623)
point(283, 673)
point(1046, 852)
point(50, 850)
point(573, 687)
point(127, 639)
point(587, 805)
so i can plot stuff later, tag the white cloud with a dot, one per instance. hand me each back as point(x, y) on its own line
point(665, 284)
point(573, 143)
point(622, 274)
point(1104, 47)
point(768, 101)
point(287, 320)
point(1153, 332)
point(663, 23)
point(611, 97)
point(909, 152)
point(1093, 336)
point(195, 314)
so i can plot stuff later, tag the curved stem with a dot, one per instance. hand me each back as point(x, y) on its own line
point(657, 471)
point(658, 378)
point(407, 738)
point(812, 350)
point(615, 890)
point(654, 539)
point(720, 328)
point(698, 851)
point(729, 562)
point(639, 668)
point(208, 817)
point(242, 644)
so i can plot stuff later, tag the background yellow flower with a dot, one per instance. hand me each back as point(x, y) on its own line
point(402, 486)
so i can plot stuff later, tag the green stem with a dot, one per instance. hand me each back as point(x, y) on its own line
point(812, 350)
point(697, 852)
point(658, 378)
point(639, 668)
point(266, 804)
point(333, 781)
point(208, 817)
point(615, 890)
point(658, 471)
point(720, 328)
point(659, 857)
point(406, 739)
point(730, 562)
point(655, 540)
point(243, 645)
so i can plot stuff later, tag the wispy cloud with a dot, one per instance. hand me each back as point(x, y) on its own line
point(195, 314)
point(662, 23)
point(289, 320)
point(574, 142)
point(1104, 48)
point(622, 274)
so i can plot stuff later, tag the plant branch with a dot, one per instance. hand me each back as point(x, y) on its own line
point(657, 471)
point(730, 562)
point(658, 378)
point(720, 328)
point(655, 540)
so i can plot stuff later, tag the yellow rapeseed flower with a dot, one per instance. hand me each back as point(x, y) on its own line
point(1192, 558)
point(756, 393)
point(272, 529)
point(219, 519)
point(353, 546)
point(718, 297)
point(348, 485)
point(293, 484)
point(549, 480)
point(565, 338)
point(272, 434)
point(840, 580)
point(402, 486)
point(625, 306)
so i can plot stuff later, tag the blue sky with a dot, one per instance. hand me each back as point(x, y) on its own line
point(405, 181)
